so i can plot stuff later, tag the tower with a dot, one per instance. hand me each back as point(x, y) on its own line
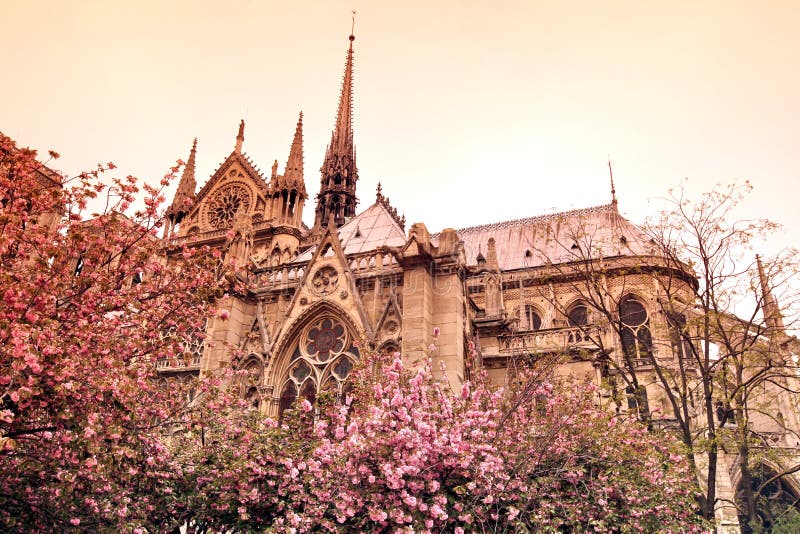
point(337, 192)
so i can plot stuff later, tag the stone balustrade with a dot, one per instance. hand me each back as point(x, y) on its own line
point(549, 340)
point(292, 273)
point(211, 234)
point(179, 363)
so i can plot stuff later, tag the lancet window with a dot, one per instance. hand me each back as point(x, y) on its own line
point(578, 315)
point(531, 319)
point(637, 343)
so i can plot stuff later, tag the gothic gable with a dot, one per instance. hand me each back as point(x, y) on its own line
point(236, 186)
point(390, 322)
point(327, 278)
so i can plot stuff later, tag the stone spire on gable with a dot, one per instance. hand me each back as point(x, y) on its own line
point(491, 256)
point(337, 193)
point(288, 191)
point(240, 137)
point(185, 192)
point(293, 174)
point(769, 305)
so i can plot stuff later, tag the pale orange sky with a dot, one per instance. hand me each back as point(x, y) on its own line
point(468, 112)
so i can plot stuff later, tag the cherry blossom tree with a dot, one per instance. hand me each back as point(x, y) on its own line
point(404, 453)
point(85, 306)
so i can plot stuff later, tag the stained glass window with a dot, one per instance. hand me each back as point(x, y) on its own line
point(322, 360)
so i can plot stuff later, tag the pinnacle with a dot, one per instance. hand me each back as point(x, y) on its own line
point(294, 165)
point(240, 137)
point(187, 184)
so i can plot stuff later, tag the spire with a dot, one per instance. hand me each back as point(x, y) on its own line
point(240, 137)
point(769, 306)
point(613, 191)
point(337, 193)
point(186, 187)
point(342, 136)
point(294, 165)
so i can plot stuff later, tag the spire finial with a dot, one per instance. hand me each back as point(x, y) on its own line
point(240, 137)
point(378, 191)
point(352, 29)
point(613, 191)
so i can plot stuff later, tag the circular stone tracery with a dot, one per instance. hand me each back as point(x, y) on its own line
point(324, 339)
point(226, 203)
point(325, 281)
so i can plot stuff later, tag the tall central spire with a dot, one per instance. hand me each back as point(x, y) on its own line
point(342, 136)
point(337, 192)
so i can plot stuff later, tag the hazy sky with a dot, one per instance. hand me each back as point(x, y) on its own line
point(468, 112)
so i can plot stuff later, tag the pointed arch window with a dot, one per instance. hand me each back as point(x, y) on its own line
point(531, 319)
point(322, 361)
point(578, 315)
point(637, 343)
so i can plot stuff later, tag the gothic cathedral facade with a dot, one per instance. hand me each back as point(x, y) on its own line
point(496, 294)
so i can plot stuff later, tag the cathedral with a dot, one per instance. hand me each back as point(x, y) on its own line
point(489, 297)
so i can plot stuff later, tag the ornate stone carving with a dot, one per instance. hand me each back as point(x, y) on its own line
point(254, 372)
point(229, 200)
point(325, 281)
point(325, 340)
point(391, 327)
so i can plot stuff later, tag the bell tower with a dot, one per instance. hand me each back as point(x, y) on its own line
point(337, 191)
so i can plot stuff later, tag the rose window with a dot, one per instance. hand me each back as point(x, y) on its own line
point(227, 202)
point(325, 339)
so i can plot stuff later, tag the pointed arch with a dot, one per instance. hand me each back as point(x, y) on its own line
point(319, 345)
point(777, 498)
point(635, 336)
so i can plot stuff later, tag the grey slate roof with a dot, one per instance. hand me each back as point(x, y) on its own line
point(521, 243)
point(531, 242)
point(374, 227)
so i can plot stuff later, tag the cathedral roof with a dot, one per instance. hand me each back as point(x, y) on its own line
point(556, 238)
point(372, 228)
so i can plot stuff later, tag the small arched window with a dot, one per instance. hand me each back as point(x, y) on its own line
point(531, 319)
point(578, 315)
point(637, 343)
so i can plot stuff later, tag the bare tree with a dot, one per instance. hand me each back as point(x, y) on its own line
point(679, 313)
